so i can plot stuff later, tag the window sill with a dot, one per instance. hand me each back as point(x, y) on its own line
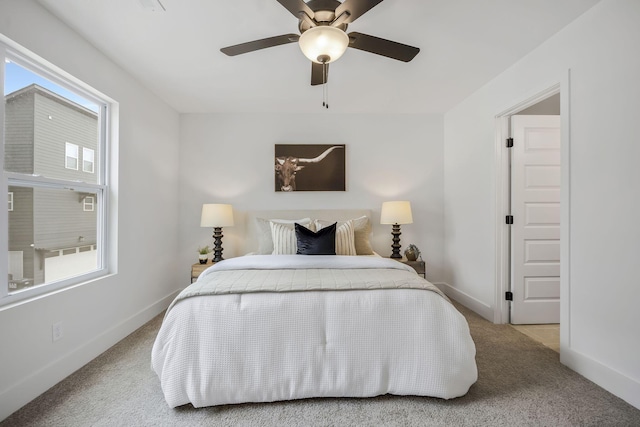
point(43, 291)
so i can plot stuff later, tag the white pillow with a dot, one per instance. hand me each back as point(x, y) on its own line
point(265, 239)
point(361, 230)
point(345, 242)
point(284, 239)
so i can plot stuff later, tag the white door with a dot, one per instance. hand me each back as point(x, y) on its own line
point(535, 206)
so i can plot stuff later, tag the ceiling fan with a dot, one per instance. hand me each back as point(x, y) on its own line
point(323, 38)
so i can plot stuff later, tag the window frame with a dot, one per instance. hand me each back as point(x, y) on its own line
point(10, 201)
point(91, 206)
point(68, 145)
point(15, 53)
point(85, 151)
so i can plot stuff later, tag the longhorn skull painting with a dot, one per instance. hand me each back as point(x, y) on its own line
point(315, 167)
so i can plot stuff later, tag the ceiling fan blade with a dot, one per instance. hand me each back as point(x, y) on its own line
point(356, 8)
point(296, 7)
point(241, 48)
point(318, 75)
point(393, 50)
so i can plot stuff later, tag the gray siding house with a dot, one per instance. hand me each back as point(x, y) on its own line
point(51, 136)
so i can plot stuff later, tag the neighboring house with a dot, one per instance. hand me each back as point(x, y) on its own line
point(48, 135)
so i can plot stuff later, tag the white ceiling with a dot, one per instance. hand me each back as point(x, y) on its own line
point(176, 53)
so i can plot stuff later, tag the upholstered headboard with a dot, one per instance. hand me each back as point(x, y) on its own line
point(250, 225)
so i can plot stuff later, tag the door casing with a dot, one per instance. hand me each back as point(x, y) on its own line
point(502, 194)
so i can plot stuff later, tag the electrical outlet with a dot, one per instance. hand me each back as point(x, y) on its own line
point(56, 331)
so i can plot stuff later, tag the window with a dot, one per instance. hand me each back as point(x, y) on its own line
point(47, 116)
point(71, 156)
point(87, 160)
point(88, 205)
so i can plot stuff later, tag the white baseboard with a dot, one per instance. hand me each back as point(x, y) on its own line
point(626, 388)
point(467, 300)
point(18, 395)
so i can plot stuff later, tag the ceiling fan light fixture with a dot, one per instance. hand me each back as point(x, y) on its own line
point(322, 42)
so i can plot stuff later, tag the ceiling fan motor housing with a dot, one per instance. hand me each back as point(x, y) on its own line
point(324, 14)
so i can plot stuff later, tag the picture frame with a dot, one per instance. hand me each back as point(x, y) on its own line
point(310, 167)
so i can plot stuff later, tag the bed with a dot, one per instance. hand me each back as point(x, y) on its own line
point(269, 327)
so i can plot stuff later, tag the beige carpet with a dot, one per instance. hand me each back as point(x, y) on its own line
point(521, 383)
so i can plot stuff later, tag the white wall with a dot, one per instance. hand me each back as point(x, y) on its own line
point(600, 336)
point(98, 314)
point(230, 158)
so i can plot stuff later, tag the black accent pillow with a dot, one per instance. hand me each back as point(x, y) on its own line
point(311, 243)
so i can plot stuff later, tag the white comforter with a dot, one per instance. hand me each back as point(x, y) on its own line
point(267, 328)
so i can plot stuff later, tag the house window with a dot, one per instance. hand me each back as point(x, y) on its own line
point(50, 222)
point(87, 160)
point(71, 156)
point(88, 204)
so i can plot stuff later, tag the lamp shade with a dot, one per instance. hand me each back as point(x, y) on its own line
point(398, 212)
point(216, 215)
point(326, 42)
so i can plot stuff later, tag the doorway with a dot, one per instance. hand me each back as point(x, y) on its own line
point(540, 252)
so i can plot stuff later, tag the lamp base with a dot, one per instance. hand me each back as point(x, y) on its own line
point(395, 232)
point(217, 244)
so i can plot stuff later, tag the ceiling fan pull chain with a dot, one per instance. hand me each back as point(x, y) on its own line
point(324, 98)
point(326, 85)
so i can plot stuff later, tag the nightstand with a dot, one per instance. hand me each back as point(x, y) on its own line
point(418, 266)
point(197, 269)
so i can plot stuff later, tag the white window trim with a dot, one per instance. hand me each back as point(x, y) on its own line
point(86, 151)
point(10, 201)
point(107, 146)
point(67, 146)
point(89, 204)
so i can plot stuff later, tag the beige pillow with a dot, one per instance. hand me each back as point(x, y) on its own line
point(361, 230)
point(265, 240)
point(345, 244)
point(284, 239)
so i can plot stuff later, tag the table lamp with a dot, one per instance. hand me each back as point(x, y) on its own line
point(396, 213)
point(216, 216)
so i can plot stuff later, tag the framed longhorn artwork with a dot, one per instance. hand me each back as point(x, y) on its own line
point(310, 167)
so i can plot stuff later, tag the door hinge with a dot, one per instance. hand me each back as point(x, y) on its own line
point(509, 142)
point(509, 219)
point(508, 296)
